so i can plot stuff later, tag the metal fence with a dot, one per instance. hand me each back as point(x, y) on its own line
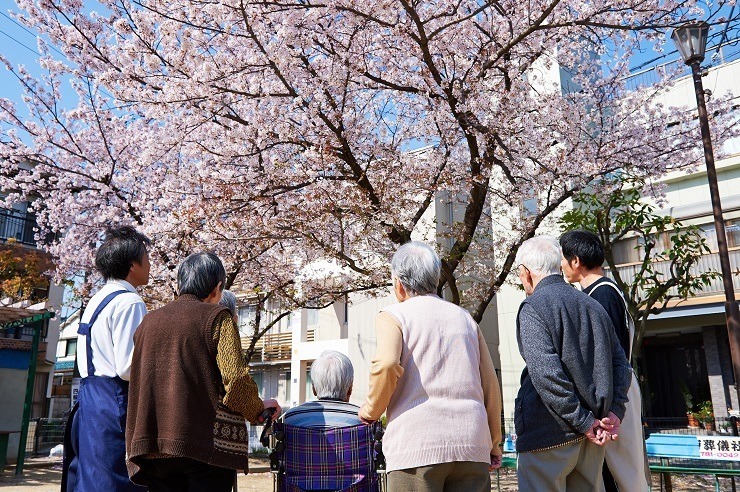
point(18, 226)
point(43, 435)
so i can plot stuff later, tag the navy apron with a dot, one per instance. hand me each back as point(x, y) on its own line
point(95, 436)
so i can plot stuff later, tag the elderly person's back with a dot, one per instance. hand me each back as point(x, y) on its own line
point(574, 386)
point(434, 374)
point(190, 389)
point(228, 300)
point(332, 375)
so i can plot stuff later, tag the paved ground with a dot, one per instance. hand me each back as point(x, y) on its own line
point(48, 477)
point(44, 476)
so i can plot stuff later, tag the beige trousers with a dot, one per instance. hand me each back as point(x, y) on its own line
point(626, 457)
point(458, 476)
point(572, 468)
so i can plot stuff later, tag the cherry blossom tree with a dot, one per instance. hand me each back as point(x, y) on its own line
point(21, 277)
point(286, 135)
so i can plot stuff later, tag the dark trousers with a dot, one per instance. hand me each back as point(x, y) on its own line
point(457, 476)
point(185, 475)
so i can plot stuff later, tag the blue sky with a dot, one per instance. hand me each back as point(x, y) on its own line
point(20, 46)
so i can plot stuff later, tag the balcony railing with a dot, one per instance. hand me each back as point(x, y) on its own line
point(647, 77)
point(18, 226)
point(275, 347)
point(706, 263)
point(24, 332)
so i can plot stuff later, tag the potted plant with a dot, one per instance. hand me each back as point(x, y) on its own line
point(690, 408)
point(705, 415)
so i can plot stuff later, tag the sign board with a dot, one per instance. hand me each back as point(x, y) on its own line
point(719, 447)
point(75, 391)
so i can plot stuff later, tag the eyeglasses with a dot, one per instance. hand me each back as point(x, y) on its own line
point(523, 266)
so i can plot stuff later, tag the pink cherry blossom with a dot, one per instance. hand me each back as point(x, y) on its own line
point(288, 135)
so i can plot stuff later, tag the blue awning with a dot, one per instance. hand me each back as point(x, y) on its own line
point(689, 311)
point(64, 366)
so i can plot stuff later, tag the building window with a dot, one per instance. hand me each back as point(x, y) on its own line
point(17, 223)
point(71, 348)
point(626, 251)
point(259, 379)
point(309, 386)
point(632, 250)
point(247, 316)
point(732, 228)
point(288, 384)
point(312, 317)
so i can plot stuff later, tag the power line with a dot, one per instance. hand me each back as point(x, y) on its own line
point(29, 32)
point(20, 43)
point(39, 54)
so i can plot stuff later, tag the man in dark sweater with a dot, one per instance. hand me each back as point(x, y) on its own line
point(574, 387)
point(625, 466)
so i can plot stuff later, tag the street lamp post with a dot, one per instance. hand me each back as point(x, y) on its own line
point(691, 40)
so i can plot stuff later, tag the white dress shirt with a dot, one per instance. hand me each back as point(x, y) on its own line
point(112, 335)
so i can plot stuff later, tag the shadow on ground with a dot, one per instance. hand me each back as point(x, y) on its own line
point(47, 479)
point(33, 479)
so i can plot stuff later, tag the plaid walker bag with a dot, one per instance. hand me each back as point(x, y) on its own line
point(333, 459)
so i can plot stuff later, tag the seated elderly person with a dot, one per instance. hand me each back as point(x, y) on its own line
point(331, 377)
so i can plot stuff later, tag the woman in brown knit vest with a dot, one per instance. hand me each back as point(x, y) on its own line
point(190, 389)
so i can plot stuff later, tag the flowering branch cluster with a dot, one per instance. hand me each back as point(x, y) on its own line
point(304, 141)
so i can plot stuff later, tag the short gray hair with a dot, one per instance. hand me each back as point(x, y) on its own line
point(199, 274)
point(417, 267)
point(228, 299)
point(540, 254)
point(332, 375)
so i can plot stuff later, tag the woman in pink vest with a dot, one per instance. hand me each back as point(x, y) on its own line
point(433, 375)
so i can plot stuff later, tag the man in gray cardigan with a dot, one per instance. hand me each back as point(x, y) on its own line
point(574, 387)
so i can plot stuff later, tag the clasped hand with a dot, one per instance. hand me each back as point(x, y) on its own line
point(604, 430)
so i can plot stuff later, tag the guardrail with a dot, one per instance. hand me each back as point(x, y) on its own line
point(706, 263)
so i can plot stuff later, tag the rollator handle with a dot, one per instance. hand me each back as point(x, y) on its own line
point(266, 415)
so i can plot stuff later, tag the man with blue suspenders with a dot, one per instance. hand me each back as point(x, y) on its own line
point(625, 465)
point(94, 455)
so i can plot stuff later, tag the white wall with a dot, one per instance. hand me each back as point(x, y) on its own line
point(362, 339)
point(54, 303)
point(12, 394)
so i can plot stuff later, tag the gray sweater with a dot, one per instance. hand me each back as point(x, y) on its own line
point(576, 370)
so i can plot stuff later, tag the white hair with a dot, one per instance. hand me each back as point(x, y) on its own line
point(332, 375)
point(228, 299)
point(541, 255)
point(417, 267)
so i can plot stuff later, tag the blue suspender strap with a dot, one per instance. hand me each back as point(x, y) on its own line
point(86, 328)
